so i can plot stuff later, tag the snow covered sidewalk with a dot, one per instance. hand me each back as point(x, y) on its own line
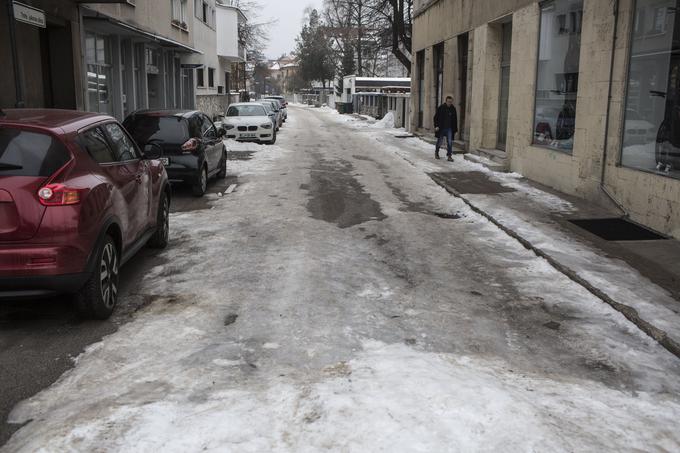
point(529, 215)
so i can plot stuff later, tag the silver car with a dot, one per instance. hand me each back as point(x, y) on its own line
point(276, 107)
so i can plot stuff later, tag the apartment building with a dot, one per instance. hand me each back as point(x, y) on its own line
point(580, 95)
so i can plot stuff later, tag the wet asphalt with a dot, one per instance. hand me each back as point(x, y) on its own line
point(39, 339)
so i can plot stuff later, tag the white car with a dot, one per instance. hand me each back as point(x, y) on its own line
point(249, 122)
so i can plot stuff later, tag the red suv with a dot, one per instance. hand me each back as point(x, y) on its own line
point(77, 200)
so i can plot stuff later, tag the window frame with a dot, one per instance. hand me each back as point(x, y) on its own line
point(200, 81)
point(568, 152)
point(113, 144)
point(211, 77)
point(90, 128)
point(636, 20)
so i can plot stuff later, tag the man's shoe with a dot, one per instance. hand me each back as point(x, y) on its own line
point(436, 156)
point(449, 158)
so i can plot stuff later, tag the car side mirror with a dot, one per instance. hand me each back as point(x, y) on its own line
point(153, 151)
point(221, 132)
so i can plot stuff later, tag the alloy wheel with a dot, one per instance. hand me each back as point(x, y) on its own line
point(108, 271)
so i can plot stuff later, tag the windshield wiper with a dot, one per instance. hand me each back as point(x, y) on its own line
point(10, 167)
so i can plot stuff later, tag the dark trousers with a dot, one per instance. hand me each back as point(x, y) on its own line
point(448, 133)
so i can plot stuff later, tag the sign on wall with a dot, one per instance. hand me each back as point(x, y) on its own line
point(29, 15)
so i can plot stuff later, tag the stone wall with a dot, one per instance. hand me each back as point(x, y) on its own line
point(212, 104)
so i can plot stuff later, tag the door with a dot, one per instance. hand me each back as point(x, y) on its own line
point(124, 185)
point(504, 96)
point(137, 170)
point(463, 47)
point(212, 142)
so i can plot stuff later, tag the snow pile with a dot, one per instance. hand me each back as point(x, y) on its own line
point(386, 123)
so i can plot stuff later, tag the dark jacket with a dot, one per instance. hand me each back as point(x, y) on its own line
point(446, 118)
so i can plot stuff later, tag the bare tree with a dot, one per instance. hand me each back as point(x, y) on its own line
point(369, 28)
point(254, 33)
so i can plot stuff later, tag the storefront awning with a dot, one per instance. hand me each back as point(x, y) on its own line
point(109, 22)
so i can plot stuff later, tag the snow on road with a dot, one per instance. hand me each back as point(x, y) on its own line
point(365, 323)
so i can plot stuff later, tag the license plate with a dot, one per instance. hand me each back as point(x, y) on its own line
point(248, 135)
point(165, 161)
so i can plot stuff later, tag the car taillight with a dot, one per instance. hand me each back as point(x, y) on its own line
point(190, 146)
point(58, 195)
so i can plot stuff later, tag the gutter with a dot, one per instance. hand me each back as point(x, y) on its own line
point(602, 184)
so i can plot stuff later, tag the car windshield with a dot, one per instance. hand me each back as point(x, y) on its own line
point(247, 110)
point(163, 129)
point(267, 107)
point(24, 153)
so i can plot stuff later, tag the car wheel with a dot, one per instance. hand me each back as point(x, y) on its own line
point(201, 187)
point(159, 240)
point(273, 139)
point(98, 298)
point(223, 166)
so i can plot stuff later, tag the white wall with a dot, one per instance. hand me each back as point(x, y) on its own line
point(227, 32)
point(205, 40)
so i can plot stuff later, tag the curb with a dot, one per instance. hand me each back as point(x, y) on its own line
point(659, 335)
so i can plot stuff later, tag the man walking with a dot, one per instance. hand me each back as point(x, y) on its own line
point(446, 125)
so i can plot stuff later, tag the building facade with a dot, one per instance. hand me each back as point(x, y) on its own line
point(580, 95)
point(116, 57)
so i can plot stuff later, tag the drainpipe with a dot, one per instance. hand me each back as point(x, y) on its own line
point(18, 85)
point(603, 186)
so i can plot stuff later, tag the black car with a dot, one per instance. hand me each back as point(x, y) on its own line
point(189, 144)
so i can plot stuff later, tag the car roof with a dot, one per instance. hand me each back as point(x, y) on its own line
point(166, 112)
point(240, 104)
point(58, 121)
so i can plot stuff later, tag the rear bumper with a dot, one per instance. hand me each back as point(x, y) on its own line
point(39, 286)
point(183, 168)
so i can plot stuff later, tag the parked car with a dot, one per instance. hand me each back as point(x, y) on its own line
point(281, 99)
point(77, 200)
point(192, 148)
point(278, 114)
point(270, 113)
point(277, 109)
point(249, 122)
point(282, 104)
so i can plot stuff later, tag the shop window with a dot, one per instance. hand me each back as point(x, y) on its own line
point(557, 74)
point(651, 130)
point(200, 81)
point(211, 77)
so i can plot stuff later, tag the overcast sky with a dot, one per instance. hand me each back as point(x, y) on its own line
point(289, 15)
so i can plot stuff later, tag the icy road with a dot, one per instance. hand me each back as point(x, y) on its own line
point(340, 300)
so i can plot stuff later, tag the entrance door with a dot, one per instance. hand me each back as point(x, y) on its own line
point(462, 76)
point(504, 95)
